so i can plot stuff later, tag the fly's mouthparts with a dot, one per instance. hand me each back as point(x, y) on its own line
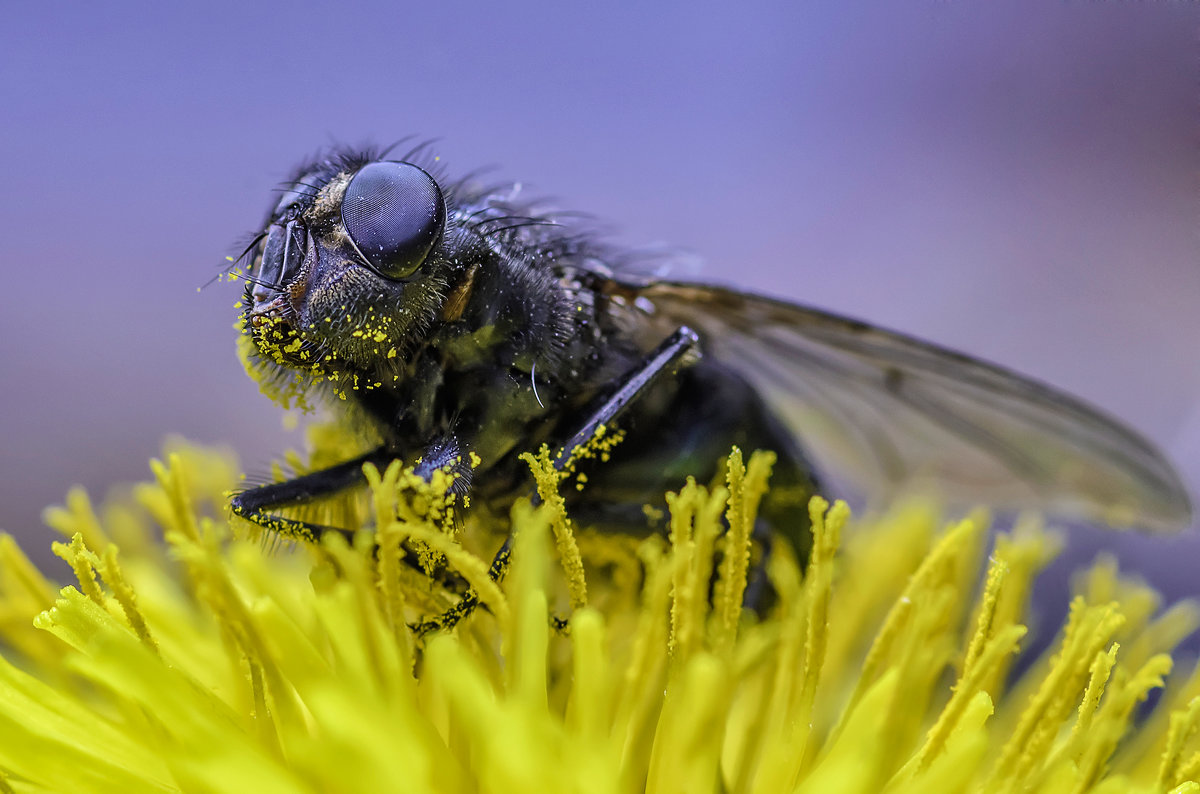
point(264, 312)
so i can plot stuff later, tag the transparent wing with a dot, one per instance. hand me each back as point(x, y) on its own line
point(882, 410)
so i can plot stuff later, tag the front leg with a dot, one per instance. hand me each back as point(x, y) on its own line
point(255, 505)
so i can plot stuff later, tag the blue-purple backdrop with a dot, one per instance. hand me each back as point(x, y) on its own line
point(1017, 180)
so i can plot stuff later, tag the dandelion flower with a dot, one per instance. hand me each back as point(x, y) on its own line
point(188, 658)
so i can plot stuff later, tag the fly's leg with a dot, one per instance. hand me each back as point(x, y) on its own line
point(255, 504)
point(446, 455)
point(662, 361)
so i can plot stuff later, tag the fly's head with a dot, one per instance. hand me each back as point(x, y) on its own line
point(349, 273)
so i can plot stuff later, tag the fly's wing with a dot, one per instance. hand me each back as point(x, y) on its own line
point(883, 410)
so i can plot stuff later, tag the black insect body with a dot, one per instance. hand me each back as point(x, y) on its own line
point(469, 328)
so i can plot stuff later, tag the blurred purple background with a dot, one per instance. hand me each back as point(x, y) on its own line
point(1015, 180)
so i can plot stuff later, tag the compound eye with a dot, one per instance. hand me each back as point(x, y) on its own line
point(394, 213)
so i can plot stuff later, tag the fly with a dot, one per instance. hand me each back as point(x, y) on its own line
point(467, 327)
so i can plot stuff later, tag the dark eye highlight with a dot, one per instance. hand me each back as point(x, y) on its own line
point(394, 213)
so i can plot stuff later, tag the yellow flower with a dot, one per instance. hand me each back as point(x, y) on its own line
point(200, 662)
